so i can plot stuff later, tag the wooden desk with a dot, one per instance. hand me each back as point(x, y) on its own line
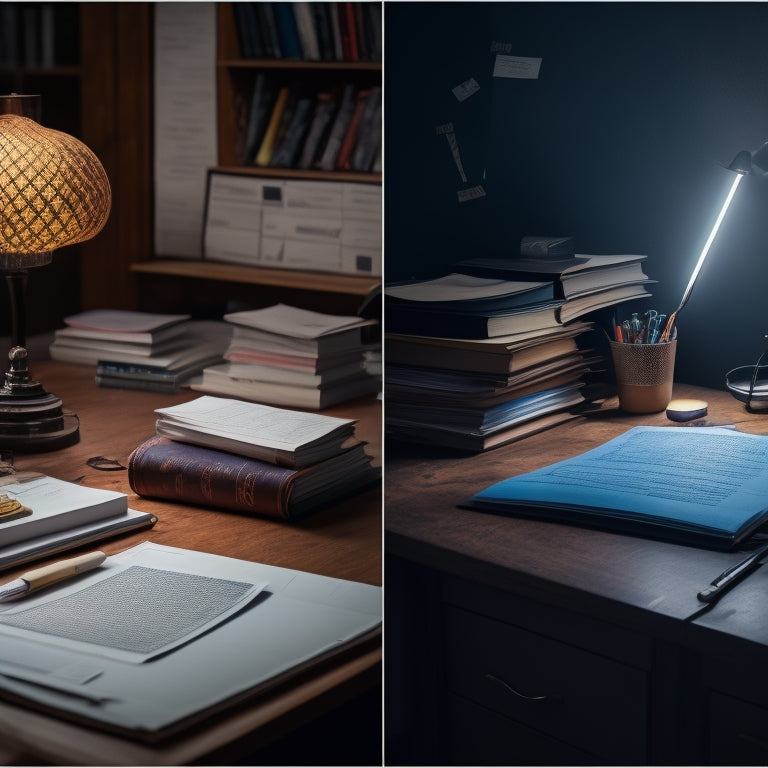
point(343, 542)
point(607, 625)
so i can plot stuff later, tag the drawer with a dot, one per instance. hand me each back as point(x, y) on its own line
point(738, 732)
point(585, 700)
point(476, 736)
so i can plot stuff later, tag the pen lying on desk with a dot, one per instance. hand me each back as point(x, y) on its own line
point(50, 574)
point(730, 576)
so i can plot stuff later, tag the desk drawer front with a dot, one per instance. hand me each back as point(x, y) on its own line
point(578, 697)
point(477, 736)
point(738, 732)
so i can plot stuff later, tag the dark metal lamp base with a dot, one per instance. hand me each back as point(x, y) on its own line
point(31, 419)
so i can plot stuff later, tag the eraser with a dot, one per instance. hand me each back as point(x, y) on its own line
point(686, 410)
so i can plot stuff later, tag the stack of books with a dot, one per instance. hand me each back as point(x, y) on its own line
point(140, 350)
point(310, 31)
point(288, 356)
point(251, 458)
point(585, 283)
point(478, 360)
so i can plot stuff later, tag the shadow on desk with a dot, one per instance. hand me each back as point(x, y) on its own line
point(348, 735)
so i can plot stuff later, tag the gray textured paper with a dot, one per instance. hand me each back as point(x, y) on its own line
point(138, 611)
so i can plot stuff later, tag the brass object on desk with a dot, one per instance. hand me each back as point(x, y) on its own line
point(12, 509)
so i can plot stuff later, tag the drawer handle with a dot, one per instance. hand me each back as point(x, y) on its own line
point(509, 688)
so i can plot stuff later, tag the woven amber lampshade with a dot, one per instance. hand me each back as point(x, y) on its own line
point(53, 192)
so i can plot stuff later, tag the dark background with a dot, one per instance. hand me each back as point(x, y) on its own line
point(620, 142)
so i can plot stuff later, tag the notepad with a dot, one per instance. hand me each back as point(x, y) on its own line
point(703, 486)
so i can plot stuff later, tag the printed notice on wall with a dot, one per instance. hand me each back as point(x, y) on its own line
point(185, 123)
point(521, 67)
point(466, 89)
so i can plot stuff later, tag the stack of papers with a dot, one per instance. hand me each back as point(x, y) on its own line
point(140, 350)
point(293, 357)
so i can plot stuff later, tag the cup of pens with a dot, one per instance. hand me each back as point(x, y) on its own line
point(644, 362)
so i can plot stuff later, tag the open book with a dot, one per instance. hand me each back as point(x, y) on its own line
point(704, 486)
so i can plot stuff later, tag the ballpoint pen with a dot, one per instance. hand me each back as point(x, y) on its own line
point(733, 574)
point(38, 578)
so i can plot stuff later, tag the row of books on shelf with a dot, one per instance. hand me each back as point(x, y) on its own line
point(319, 31)
point(280, 355)
point(289, 125)
point(39, 35)
point(499, 348)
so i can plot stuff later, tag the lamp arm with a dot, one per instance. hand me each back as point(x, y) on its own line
point(703, 255)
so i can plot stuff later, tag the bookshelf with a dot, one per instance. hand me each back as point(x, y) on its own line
point(235, 77)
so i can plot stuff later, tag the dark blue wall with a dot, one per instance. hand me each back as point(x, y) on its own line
point(619, 142)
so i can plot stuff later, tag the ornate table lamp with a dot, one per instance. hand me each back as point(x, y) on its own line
point(53, 192)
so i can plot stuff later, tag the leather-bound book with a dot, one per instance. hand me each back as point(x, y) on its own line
point(166, 469)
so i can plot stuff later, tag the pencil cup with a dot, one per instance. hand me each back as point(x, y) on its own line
point(644, 375)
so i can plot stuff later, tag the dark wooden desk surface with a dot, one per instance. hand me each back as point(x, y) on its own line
point(342, 542)
point(641, 583)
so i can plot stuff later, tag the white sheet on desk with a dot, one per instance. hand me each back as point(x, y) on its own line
point(299, 617)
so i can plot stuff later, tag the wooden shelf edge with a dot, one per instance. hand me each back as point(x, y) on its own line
point(296, 173)
point(299, 64)
point(355, 285)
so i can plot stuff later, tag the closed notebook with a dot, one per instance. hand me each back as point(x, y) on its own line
point(166, 469)
point(703, 486)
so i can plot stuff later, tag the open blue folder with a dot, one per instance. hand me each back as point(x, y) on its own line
point(702, 486)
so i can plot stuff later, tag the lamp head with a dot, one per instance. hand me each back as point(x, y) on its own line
point(742, 163)
point(53, 192)
point(751, 163)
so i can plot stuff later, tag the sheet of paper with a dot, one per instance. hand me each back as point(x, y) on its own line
point(185, 123)
point(458, 287)
point(233, 218)
point(517, 67)
point(252, 422)
point(130, 613)
point(295, 322)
